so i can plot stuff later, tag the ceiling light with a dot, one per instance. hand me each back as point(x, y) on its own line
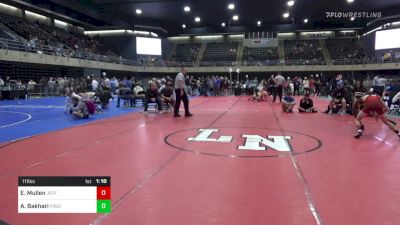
point(352, 18)
point(259, 23)
point(350, 1)
point(290, 3)
point(286, 15)
point(186, 9)
point(231, 6)
point(197, 19)
point(138, 11)
point(305, 20)
point(223, 24)
point(235, 17)
point(183, 26)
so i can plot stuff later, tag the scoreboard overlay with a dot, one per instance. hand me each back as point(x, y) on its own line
point(64, 194)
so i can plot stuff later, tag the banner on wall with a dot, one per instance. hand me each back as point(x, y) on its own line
point(261, 42)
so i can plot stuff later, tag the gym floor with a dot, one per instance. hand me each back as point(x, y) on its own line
point(162, 172)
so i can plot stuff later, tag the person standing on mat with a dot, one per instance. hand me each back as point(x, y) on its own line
point(279, 80)
point(373, 105)
point(180, 93)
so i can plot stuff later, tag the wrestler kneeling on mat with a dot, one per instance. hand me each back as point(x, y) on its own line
point(288, 102)
point(373, 105)
point(79, 108)
point(307, 104)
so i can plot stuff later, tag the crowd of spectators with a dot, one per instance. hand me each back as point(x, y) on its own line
point(345, 50)
point(160, 90)
point(303, 52)
point(185, 52)
point(41, 38)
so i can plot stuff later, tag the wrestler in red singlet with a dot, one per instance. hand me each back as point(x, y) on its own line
point(373, 105)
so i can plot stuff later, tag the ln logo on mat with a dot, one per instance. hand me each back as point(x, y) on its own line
point(242, 142)
point(252, 141)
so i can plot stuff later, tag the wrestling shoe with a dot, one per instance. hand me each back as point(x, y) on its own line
point(358, 134)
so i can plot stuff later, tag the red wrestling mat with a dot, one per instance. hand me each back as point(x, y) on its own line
point(234, 163)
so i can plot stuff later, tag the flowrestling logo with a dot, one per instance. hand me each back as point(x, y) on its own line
point(243, 142)
point(353, 14)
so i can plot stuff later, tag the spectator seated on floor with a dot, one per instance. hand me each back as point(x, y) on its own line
point(79, 108)
point(288, 102)
point(338, 101)
point(307, 104)
point(125, 93)
point(167, 95)
point(152, 96)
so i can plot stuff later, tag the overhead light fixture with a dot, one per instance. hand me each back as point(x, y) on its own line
point(183, 26)
point(286, 15)
point(305, 20)
point(62, 23)
point(197, 19)
point(290, 3)
point(235, 17)
point(8, 6)
point(223, 24)
point(350, 1)
point(138, 11)
point(352, 19)
point(186, 9)
point(35, 14)
point(259, 23)
point(231, 6)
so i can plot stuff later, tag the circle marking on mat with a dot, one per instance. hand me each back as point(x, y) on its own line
point(243, 142)
point(29, 116)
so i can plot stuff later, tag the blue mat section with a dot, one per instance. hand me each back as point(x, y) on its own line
point(24, 118)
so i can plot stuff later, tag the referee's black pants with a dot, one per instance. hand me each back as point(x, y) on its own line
point(279, 92)
point(180, 98)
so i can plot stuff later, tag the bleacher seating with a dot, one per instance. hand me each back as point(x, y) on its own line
point(77, 41)
point(185, 52)
point(5, 33)
point(265, 55)
point(303, 52)
point(220, 51)
point(20, 34)
point(52, 40)
point(345, 50)
point(28, 31)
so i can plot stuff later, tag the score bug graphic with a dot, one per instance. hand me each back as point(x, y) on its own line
point(64, 195)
